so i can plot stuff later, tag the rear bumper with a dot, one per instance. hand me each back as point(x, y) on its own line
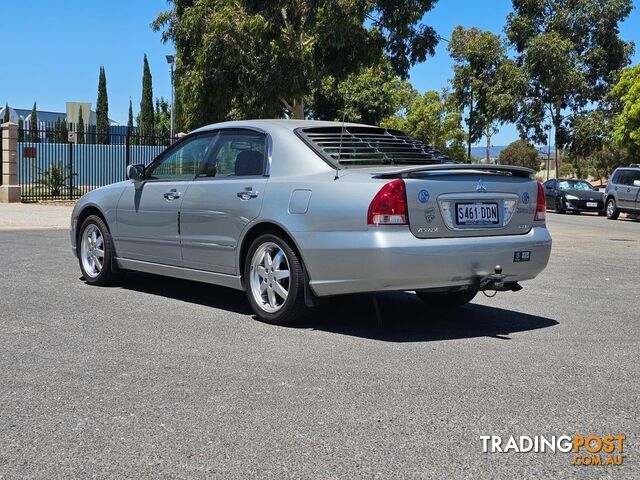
point(392, 258)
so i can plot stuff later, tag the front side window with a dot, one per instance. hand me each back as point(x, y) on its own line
point(616, 177)
point(237, 153)
point(183, 162)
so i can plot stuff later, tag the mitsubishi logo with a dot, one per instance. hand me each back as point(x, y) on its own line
point(480, 187)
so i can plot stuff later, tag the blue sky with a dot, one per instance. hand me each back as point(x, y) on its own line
point(54, 50)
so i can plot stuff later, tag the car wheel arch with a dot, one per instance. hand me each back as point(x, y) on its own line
point(86, 212)
point(259, 229)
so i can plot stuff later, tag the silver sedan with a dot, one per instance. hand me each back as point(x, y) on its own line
point(293, 211)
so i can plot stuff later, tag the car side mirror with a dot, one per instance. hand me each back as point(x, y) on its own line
point(636, 183)
point(135, 173)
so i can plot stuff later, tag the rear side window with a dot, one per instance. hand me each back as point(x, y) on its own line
point(350, 146)
point(626, 177)
point(237, 153)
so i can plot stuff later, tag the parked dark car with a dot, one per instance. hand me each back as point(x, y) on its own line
point(571, 195)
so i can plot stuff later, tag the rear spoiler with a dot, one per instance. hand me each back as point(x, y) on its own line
point(455, 168)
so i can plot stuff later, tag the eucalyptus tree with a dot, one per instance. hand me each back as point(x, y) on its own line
point(571, 53)
point(368, 96)
point(434, 119)
point(626, 94)
point(485, 81)
point(241, 58)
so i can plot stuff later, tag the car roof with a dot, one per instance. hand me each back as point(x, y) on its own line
point(269, 124)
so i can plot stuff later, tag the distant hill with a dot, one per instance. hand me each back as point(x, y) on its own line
point(496, 149)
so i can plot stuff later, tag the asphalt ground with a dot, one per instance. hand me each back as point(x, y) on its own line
point(174, 379)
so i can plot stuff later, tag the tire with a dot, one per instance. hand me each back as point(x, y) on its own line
point(559, 206)
point(264, 288)
point(447, 300)
point(612, 210)
point(576, 212)
point(97, 264)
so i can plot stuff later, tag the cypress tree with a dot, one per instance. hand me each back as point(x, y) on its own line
point(130, 120)
point(146, 122)
point(20, 129)
point(64, 131)
point(56, 131)
point(33, 125)
point(7, 117)
point(80, 128)
point(102, 109)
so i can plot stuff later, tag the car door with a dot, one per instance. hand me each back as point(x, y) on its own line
point(627, 192)
point(223, 199)
point(549, 193)
point(148, 212)
point(634, 194)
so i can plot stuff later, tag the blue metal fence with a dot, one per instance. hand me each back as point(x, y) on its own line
point(64, 163)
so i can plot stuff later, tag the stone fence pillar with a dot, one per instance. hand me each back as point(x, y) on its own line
point(9, 187)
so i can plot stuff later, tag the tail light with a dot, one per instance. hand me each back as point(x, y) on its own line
point(389, 206)
point(541, 207)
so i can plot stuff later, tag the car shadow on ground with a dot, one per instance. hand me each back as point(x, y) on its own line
point(188, 291)
point(403, 317)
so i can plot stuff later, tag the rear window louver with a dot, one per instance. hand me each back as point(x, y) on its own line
point(360, 146)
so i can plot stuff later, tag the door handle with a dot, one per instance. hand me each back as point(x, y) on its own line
point(172, 194)
point(247, 194)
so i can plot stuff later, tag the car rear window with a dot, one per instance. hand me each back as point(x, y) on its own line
point(351, 146)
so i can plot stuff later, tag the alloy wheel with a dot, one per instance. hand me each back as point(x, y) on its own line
point(92, 251)
point(269, 277)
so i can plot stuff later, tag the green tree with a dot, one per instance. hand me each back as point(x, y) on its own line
point(7, 115)
point(162, 117)
point(146, 118)
point(485, 81)
point(520, 153)
point(626, 129)
point(591, 147)
point(130, 127)
point(570, 52)
point(130, 119)
point(241, 58)
point(80, 128)
point(63, 135)
point(102, 110)
point(56, 131)
point(368, 96)
point(20, 129)
point(34, 132)
point(433, 119)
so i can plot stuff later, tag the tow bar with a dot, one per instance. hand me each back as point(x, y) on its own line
point(496, 282)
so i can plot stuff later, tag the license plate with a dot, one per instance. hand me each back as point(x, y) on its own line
point(592, 204)
point(477, 213)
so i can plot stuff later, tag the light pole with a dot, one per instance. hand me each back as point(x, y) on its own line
point(171, 60)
